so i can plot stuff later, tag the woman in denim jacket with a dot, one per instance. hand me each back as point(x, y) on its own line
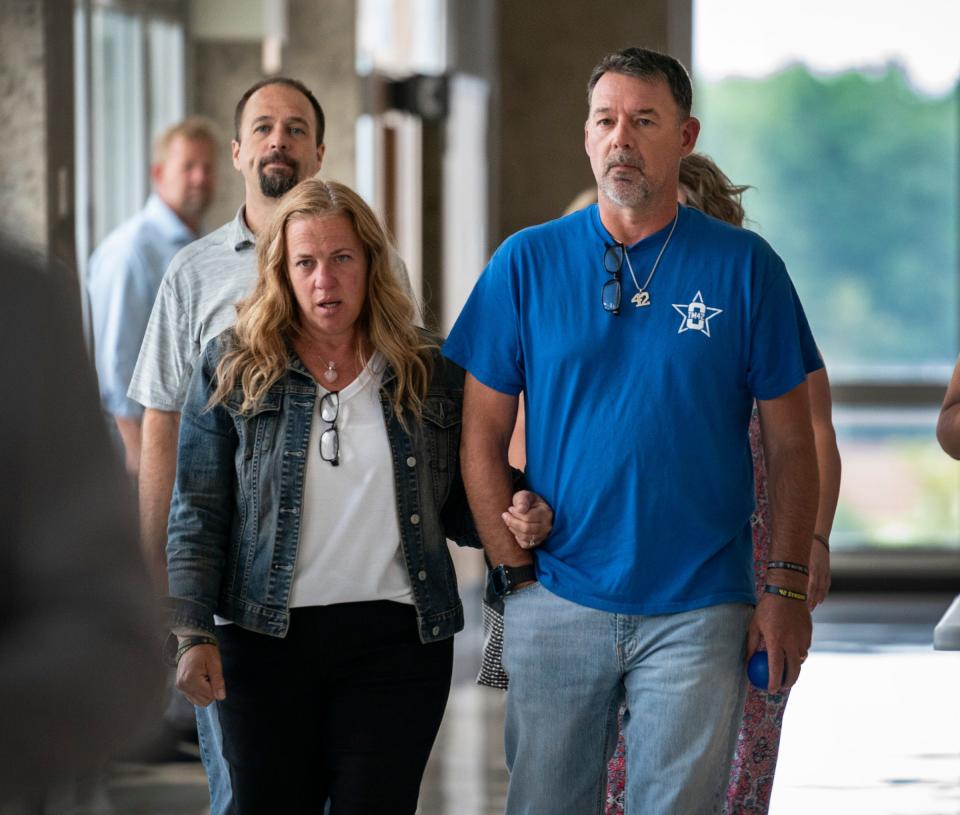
point(317, 482)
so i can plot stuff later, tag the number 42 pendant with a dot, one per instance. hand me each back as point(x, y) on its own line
point(641, 298)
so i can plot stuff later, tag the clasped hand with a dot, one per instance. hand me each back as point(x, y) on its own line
point(200, 671)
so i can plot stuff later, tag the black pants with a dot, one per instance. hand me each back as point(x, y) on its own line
point(347, 706)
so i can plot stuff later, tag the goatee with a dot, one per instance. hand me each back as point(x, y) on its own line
point(276, 186)
point(625, 189)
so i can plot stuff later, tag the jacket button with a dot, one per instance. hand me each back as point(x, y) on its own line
point(411, 461)
point(414, 519)
point(436, 630)
point(421, 575)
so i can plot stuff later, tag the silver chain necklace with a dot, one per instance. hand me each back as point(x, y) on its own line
point(642, 297)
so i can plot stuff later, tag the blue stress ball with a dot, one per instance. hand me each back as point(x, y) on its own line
point(758, 670)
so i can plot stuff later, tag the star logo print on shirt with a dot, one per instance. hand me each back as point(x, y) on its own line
point(696, 315)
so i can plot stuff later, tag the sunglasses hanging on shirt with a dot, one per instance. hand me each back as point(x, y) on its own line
point(613, 259)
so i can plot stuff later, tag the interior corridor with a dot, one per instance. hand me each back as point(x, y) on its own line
point(873, 727)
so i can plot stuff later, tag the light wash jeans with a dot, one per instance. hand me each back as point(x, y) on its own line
point(214, 764)
point(682, 677)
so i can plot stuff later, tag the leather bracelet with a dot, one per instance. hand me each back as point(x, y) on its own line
point(189, 642)
point(788, 565)
point(823, 539)
point(789, 594)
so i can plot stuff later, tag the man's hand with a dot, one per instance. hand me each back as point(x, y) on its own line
point(785, 627)
point(200, 675)
point(529, 518)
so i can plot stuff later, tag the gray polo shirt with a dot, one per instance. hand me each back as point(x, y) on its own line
point(197, 300)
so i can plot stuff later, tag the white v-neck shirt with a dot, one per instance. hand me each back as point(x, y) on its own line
point(349, 547)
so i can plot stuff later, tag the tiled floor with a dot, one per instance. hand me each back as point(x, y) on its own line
point(873, 728)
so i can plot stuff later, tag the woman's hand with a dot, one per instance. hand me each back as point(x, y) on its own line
point(819, 583)
point(200, 675)
point(529, 518)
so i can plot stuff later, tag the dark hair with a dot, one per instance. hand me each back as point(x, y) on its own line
point(646, 64)
point(296, 84)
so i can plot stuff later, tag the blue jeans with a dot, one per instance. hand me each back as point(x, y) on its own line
point(214, 764)
point(682, 677)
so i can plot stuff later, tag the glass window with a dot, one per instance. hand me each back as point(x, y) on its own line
point(167, 81)
point(130, 85)
point(899, 489)
point(400, 37)
point(848, 136)
point(119, 126)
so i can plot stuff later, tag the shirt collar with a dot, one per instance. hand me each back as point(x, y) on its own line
point(594, 213)
point(241, 235)
point(167, 220)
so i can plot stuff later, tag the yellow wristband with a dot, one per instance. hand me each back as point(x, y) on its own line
point(788, 593)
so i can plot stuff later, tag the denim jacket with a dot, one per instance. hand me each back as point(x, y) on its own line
point(235, 516)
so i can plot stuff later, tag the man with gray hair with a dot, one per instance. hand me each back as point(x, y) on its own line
point(126, 269)
point(641, 332)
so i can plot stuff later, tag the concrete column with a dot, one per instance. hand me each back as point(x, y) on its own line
point(36, 104)
point(546, 49)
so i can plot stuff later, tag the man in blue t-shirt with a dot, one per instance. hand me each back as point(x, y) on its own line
point(640, 333)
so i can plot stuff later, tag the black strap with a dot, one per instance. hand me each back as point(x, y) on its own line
point(520, 574)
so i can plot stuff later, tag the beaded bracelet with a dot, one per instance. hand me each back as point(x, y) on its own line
point(189, 642)
point(780, 591)
point(788, 565)
point(823, 539)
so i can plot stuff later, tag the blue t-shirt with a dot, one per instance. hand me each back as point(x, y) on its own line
point(636, 424)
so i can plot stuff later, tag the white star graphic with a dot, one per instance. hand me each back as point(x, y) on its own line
point(696, 315)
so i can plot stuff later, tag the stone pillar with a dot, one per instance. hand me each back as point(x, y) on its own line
point(36, 103)
point(546, 49)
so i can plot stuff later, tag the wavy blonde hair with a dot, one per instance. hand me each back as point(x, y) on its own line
point(269, 319)
point(709, 190)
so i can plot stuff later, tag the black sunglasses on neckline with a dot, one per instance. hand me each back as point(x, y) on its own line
point(611, 291)
point(330, 438)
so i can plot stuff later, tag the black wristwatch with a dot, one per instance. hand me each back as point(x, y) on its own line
point(503, 579)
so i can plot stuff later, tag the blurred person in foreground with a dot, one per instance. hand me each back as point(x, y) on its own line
point(318, 479)
point(80, 681)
